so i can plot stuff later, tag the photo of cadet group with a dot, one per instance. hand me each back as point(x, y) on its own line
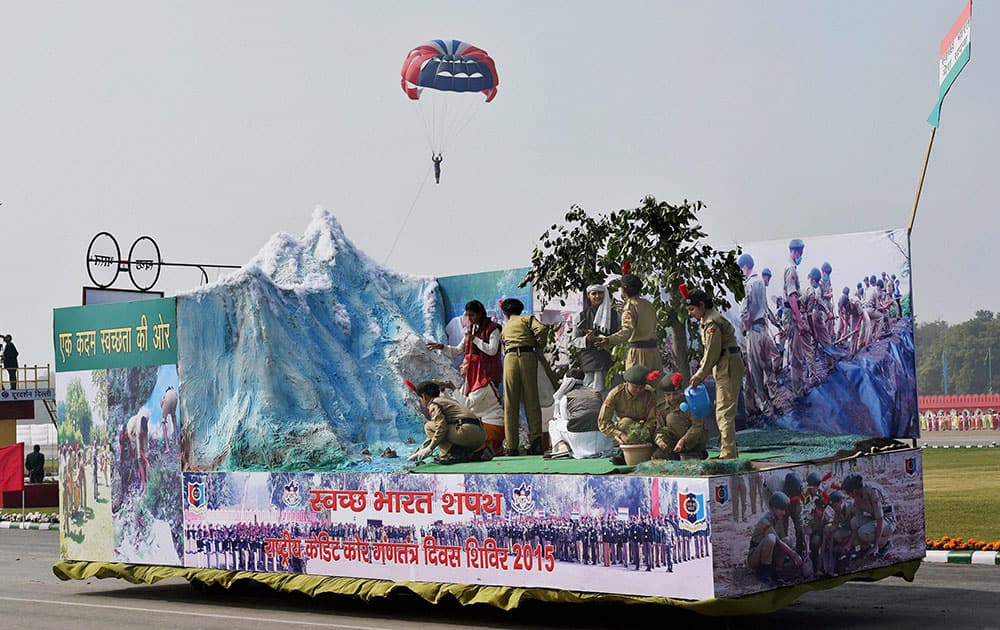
point(636, 543)
point(790, 525)
point(580, 529)
point(798, 324)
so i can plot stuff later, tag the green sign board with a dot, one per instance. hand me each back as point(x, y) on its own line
point(120, 335)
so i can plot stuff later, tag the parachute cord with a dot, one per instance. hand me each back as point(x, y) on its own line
point(427, 125)
point(460, 126)
point(442, 128)
point(402, 225)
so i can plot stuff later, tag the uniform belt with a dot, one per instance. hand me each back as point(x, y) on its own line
point(758, 322)
point(520, 349)
point(733, 350)
point(787, 305)
point(649, 343)
point(462, 421)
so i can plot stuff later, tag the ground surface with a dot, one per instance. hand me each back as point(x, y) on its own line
point(951, 595)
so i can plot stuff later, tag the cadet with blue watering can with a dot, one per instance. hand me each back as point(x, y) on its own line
point(723, 359)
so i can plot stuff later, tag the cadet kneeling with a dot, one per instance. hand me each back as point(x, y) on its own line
point(679, 436)
point(452, 427)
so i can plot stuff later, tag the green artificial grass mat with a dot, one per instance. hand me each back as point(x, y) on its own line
point(773, 445)
point(528, 465)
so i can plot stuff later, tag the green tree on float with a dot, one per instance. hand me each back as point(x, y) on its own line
point(664, 246)
point(74, 426)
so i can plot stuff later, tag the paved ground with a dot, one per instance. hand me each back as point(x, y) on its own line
point(947, 595)
point(959, 438)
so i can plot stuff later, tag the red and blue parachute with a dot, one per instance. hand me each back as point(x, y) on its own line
point(444, 77)
point(449, 66)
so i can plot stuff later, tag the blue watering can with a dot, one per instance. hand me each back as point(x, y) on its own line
point(697, 402)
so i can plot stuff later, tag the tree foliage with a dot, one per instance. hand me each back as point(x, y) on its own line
point(100, 380)
point(76, 421)
point(664, 244)
point(970, 349)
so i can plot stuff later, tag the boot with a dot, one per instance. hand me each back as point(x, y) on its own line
point(484, 454)
point(618, 459)
point(536, 447)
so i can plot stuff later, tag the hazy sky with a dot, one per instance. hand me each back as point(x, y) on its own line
point(212, 125)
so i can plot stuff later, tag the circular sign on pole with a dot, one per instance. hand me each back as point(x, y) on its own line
point(144, 263)
point(104, 259)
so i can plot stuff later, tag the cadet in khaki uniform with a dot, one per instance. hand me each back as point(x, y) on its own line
point(837, 535)
point(873, 522)
point(638, 328)
point(680, 436)
point(521, 336)
point(631, 402)
point(795, 324)
point(769, 540)
point(792, 487)
point(723, 359)
point(452, 427)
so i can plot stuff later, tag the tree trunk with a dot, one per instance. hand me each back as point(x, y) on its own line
point(680, 348)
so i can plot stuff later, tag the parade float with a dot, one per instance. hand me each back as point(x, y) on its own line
point(257, 428)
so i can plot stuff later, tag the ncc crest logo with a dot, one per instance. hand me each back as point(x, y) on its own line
point(290, 494)
point(691, 511)
point(722, 493)
point(521, 500)
point(910, 465)
point(196, 498)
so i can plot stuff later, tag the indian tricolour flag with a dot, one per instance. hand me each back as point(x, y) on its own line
point(956, 48)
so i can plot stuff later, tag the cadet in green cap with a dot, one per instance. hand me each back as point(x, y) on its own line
point(723, 360)
point(638, 328)
point(769, 541)
point(629, 403)
point(680, 436)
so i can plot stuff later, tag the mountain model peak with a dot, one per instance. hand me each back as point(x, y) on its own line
point(298, 360)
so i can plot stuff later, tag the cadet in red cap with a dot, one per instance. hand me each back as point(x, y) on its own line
point(679, 436)
point(638, 328)
point(723, 360)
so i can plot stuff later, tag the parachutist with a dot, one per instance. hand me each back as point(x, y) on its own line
point(436, 158)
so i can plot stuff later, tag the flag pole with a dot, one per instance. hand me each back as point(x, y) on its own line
point(989, 370)
point(920, 185)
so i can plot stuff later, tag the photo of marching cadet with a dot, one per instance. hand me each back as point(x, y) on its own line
point(847, 516)
point(828, 341)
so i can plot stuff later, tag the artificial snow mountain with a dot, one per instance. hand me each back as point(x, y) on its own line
point(298, 361)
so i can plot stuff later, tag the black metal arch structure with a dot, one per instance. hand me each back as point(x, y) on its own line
point(131, 264)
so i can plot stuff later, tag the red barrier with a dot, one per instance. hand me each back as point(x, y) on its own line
point(36, 495)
